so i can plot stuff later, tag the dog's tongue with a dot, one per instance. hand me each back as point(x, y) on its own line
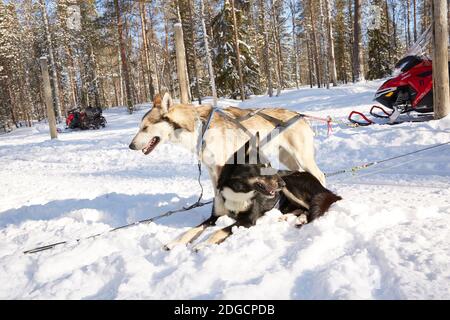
point(151, 145)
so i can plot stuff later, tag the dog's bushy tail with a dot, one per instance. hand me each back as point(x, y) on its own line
point(320, 204)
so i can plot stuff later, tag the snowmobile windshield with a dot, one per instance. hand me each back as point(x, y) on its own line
point(406, 64)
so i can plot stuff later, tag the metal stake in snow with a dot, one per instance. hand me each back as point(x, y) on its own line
point(48, 98)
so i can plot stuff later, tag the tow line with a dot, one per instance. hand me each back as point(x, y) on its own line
point(372, 163)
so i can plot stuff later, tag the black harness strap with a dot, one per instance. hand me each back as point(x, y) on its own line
point(235, 121)
point(279, 128)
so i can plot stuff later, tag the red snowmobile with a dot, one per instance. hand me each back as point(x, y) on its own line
point(410, 89)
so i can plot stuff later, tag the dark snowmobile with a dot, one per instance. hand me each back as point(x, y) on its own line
point(90, 118)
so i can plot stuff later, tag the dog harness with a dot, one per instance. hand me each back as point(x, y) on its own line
point(280, 126)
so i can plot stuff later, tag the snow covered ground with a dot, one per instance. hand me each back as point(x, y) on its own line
point(388, 239)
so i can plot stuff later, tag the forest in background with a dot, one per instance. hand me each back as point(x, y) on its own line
point(121, 52)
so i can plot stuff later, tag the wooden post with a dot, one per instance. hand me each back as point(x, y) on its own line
point(48, 98)
point(52, 60)
point(181, 64)
point(441, 92)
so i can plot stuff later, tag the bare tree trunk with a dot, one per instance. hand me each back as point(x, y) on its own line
point(408, 29)
point(151, 88)
point(52, 62)
point(441, 94)
point(386, 9)
point(358, 65)
point(48, 98)
point(123, 56)
point(151, 47)
point(294, 43)
point(278, 54)
point(323, 45)
point(194, 52)
point(331, 45)
point(310, 64)
point(394, 25)
point(167, 53)
point(314, 39)
point(238, 54)
point(351, 45)
point(94, 75)
point(183, 78)
point(266, 55)
point(208, 54)
point(415, 20)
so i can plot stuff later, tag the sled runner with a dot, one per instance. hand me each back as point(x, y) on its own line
point(382, 116)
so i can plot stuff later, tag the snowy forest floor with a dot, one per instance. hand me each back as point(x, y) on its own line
point(388, 239)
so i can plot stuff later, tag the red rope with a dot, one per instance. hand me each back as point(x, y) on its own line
point(328, 120)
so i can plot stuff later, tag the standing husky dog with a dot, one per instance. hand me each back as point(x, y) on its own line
point(167, 122)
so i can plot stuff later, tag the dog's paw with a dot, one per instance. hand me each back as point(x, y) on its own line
point(301, 220)
point(201, 246)
point(286, 217)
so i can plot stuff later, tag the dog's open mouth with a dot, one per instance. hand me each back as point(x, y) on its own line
point(265, 190)
point(151, 145)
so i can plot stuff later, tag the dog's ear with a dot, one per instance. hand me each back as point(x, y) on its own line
point(166, 102)
point(157, 101)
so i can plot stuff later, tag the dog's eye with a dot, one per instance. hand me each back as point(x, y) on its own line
point(144, 128)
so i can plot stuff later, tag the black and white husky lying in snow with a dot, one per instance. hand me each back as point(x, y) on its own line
point(248, 191)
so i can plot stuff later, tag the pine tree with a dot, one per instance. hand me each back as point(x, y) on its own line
point(227, 77)
point(358, 64)
point(379, 48)
point(342, 32)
